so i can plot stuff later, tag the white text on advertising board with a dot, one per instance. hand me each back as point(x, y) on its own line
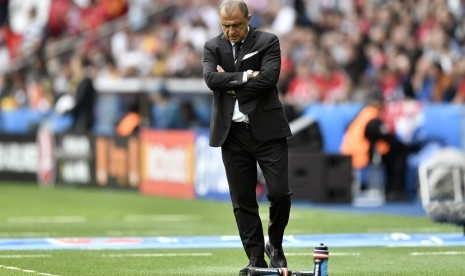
point(18, 157)
point(167, 164)
point(75, 171)
point(76, 146)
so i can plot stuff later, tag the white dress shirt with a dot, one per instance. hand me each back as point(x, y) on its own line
point(238, 116)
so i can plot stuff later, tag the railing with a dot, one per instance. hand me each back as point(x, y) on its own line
point(135, 85)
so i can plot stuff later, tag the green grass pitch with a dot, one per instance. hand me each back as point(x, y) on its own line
point(27, 211)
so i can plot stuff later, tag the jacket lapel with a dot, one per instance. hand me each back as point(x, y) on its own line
point(226, 54)
point(249, 41)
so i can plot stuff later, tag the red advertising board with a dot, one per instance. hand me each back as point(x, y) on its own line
point(167, 163)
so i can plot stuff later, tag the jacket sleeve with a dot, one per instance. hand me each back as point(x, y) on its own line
point(270, 67)
point(216, 81)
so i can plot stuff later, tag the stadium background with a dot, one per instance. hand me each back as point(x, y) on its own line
point(140, 50)
point(146, 55)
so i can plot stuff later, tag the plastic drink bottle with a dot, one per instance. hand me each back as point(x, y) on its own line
point(320, 260)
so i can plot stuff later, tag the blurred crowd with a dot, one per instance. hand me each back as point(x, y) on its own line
point(332, 50)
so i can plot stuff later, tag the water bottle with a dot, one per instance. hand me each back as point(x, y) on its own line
point(320, 260)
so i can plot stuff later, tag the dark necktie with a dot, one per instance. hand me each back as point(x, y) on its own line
point(237, 47)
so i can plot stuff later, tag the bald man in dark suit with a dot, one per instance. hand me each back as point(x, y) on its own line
point(242, 66)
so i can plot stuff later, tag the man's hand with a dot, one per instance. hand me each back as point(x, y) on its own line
point(221, 70)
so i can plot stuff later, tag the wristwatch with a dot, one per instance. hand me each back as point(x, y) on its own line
point(249, 74)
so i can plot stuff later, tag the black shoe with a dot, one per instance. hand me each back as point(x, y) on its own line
point(254, 262)
point(276, 255)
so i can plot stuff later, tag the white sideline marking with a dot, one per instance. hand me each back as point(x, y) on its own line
point(426, 230)
point(27, 270)
point(23, 256)
point(132, 233)
point(47, 219)
point(310, 253)
point(27, 234)
point(438, 253)
point(158, 255)
point(160, 218)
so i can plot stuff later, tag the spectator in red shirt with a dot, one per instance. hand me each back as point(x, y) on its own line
point(300, 91)
point(329, 81)
point(58, 17)
point(460, 82)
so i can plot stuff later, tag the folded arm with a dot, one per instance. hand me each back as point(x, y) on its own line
point(219, 80)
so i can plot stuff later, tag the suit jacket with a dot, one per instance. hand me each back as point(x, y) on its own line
point(258, 98)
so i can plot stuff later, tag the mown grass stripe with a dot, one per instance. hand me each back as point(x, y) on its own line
point(18, 256)
point(160, 218)
point(437, 253)
point(46, 219)
point(137, 255)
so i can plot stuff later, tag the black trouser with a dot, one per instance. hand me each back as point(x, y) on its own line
point(241, 152)
point(396, 171)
